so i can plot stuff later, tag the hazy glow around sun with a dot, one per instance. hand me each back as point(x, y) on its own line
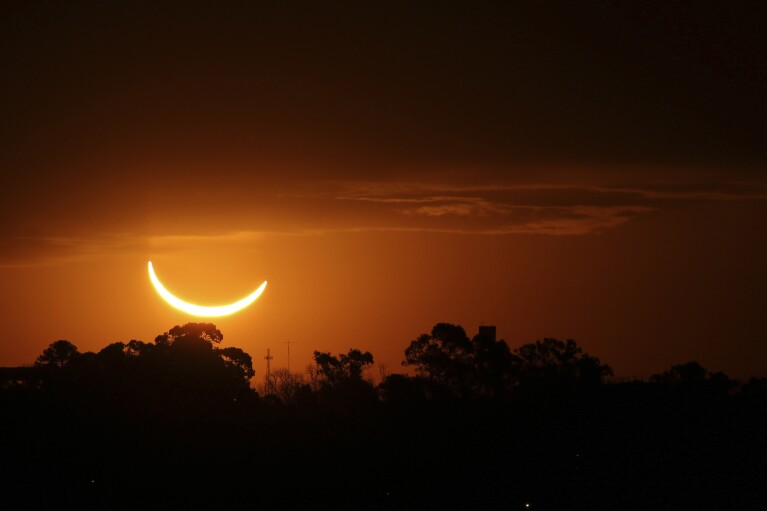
point(201, 310)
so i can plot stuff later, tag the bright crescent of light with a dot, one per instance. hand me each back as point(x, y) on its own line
point(200, 310)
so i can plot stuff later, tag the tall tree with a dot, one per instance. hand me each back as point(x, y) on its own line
point(444, 356)
point(340, 378)
point(58, 354)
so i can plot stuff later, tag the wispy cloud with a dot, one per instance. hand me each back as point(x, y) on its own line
point(553, 210)
point(579, 220)
point(426, 192)
point(533, 208)
point(487, 209)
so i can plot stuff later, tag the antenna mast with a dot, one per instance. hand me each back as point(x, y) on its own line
point(269, 385)
point(289, 343)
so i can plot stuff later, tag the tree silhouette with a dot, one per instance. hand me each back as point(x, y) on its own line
point(443, 356)
point(688, 373)
point(399, 388)
point(204, 331)
point(691, 376)
point(58, 354)
point(354, 362)
point(287, 385)
point(347, 367)
point(136, 348)
point(238, 361)
point(182, 366)
point(552, 362)
point(113, 354)
point(340, 378)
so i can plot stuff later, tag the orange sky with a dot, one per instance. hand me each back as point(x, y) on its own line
point(641, 282)
point(548, 172)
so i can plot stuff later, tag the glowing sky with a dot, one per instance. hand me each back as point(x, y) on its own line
point(586, 172)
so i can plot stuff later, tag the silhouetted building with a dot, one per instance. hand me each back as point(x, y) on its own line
point(487, 331)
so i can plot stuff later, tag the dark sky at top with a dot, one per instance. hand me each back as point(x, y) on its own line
point(384, 85)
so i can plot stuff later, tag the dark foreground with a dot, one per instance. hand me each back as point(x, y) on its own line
point(619, 446)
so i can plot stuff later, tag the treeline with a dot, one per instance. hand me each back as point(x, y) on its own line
point(474, 424)
point(187, 360)
point(183, 364)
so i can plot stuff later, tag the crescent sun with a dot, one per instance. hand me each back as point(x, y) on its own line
point(201, 310)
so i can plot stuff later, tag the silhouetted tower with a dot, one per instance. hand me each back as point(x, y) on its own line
point(268, 358)
point(487, 332)
point(289, 343)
